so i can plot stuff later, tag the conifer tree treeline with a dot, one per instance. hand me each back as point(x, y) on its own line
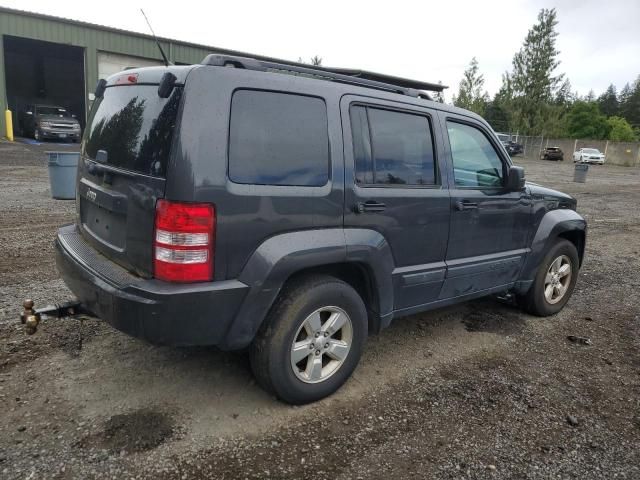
point(535, 99)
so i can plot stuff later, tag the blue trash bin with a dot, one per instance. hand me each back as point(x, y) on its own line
point(63, 167)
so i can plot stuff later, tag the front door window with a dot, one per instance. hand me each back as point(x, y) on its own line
point(475, 161)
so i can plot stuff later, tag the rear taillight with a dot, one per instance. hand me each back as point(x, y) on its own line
point(183, 241)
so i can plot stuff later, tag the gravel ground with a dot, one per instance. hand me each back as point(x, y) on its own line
point(479, 390)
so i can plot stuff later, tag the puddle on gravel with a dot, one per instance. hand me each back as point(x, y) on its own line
point(491, 318)
point(132, 432)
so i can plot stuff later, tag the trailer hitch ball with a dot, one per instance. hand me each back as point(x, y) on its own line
point(29, 317)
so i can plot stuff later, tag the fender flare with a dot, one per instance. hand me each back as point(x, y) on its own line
point(553, 225)
point(281, 256)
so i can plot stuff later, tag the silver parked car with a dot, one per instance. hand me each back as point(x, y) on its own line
point(588, 155)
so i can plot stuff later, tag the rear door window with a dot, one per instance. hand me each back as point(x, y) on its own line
point(278, 139)
point(392, 147)
point(135, 127)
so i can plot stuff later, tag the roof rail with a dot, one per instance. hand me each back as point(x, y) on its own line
point(342, 75)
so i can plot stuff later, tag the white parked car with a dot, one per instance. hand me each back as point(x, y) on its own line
point(588, 155)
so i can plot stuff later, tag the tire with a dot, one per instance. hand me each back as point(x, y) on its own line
point(536, 301)
point(36, 135)
point(272, 353)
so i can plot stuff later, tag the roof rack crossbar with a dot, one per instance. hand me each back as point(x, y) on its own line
point(352, 77)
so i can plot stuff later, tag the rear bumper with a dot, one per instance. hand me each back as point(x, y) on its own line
point(156, 311)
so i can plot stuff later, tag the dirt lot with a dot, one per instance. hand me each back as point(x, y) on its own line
point(475, 391)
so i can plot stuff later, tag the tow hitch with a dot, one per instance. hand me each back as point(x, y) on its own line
point(31, 317)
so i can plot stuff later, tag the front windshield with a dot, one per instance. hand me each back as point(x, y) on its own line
point(58, 111)
point(503, 137)
point(590, 150)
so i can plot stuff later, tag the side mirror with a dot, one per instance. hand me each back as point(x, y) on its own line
point(73, 116)
point(515, 179)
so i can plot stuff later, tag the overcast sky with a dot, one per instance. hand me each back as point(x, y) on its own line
point(599, 41)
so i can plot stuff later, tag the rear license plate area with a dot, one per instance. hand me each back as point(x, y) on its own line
point(105, 226)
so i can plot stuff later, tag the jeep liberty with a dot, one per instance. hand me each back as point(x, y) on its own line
point(292, 210)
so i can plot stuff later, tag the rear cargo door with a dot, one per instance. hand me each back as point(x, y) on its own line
point(122, 172)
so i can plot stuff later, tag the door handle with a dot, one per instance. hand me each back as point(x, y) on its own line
point(466, 205)
point(369, 206)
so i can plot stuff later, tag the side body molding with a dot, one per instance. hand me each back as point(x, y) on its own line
point(552, 225)
point(281, 256)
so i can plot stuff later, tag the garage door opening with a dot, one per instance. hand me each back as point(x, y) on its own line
point(43, 73)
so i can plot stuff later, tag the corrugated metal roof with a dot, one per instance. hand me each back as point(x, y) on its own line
point(119, 31)
point(105, 28)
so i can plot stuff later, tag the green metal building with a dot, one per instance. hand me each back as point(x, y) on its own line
point(52, 60)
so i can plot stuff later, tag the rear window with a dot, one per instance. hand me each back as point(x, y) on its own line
point(278, 139)
point(135, 127)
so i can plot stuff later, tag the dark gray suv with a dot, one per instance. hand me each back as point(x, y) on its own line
point(294, 210)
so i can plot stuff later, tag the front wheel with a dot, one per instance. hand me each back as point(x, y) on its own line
point(311, 340)
point(554, 282)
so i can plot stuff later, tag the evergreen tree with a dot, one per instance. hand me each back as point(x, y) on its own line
point(498, 112)
point(497, 116)
point(315, 60)
point(625, 93)
point(591, 96)
point(533, 81)
point(564, 96)
point(608, 101)
point(630, 103)
point(470, 93)
point(438, 96)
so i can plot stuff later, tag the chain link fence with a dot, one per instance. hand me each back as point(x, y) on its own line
point(616, 153)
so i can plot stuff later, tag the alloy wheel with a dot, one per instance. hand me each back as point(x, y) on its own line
point(558, 279)
point(321, 344)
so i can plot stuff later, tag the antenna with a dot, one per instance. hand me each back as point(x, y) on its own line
point(164, 57)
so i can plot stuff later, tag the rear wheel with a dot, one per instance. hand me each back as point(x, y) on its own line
point(555, 280)
point(311, 340)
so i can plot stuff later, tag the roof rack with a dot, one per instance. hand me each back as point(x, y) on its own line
point(342, 75)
